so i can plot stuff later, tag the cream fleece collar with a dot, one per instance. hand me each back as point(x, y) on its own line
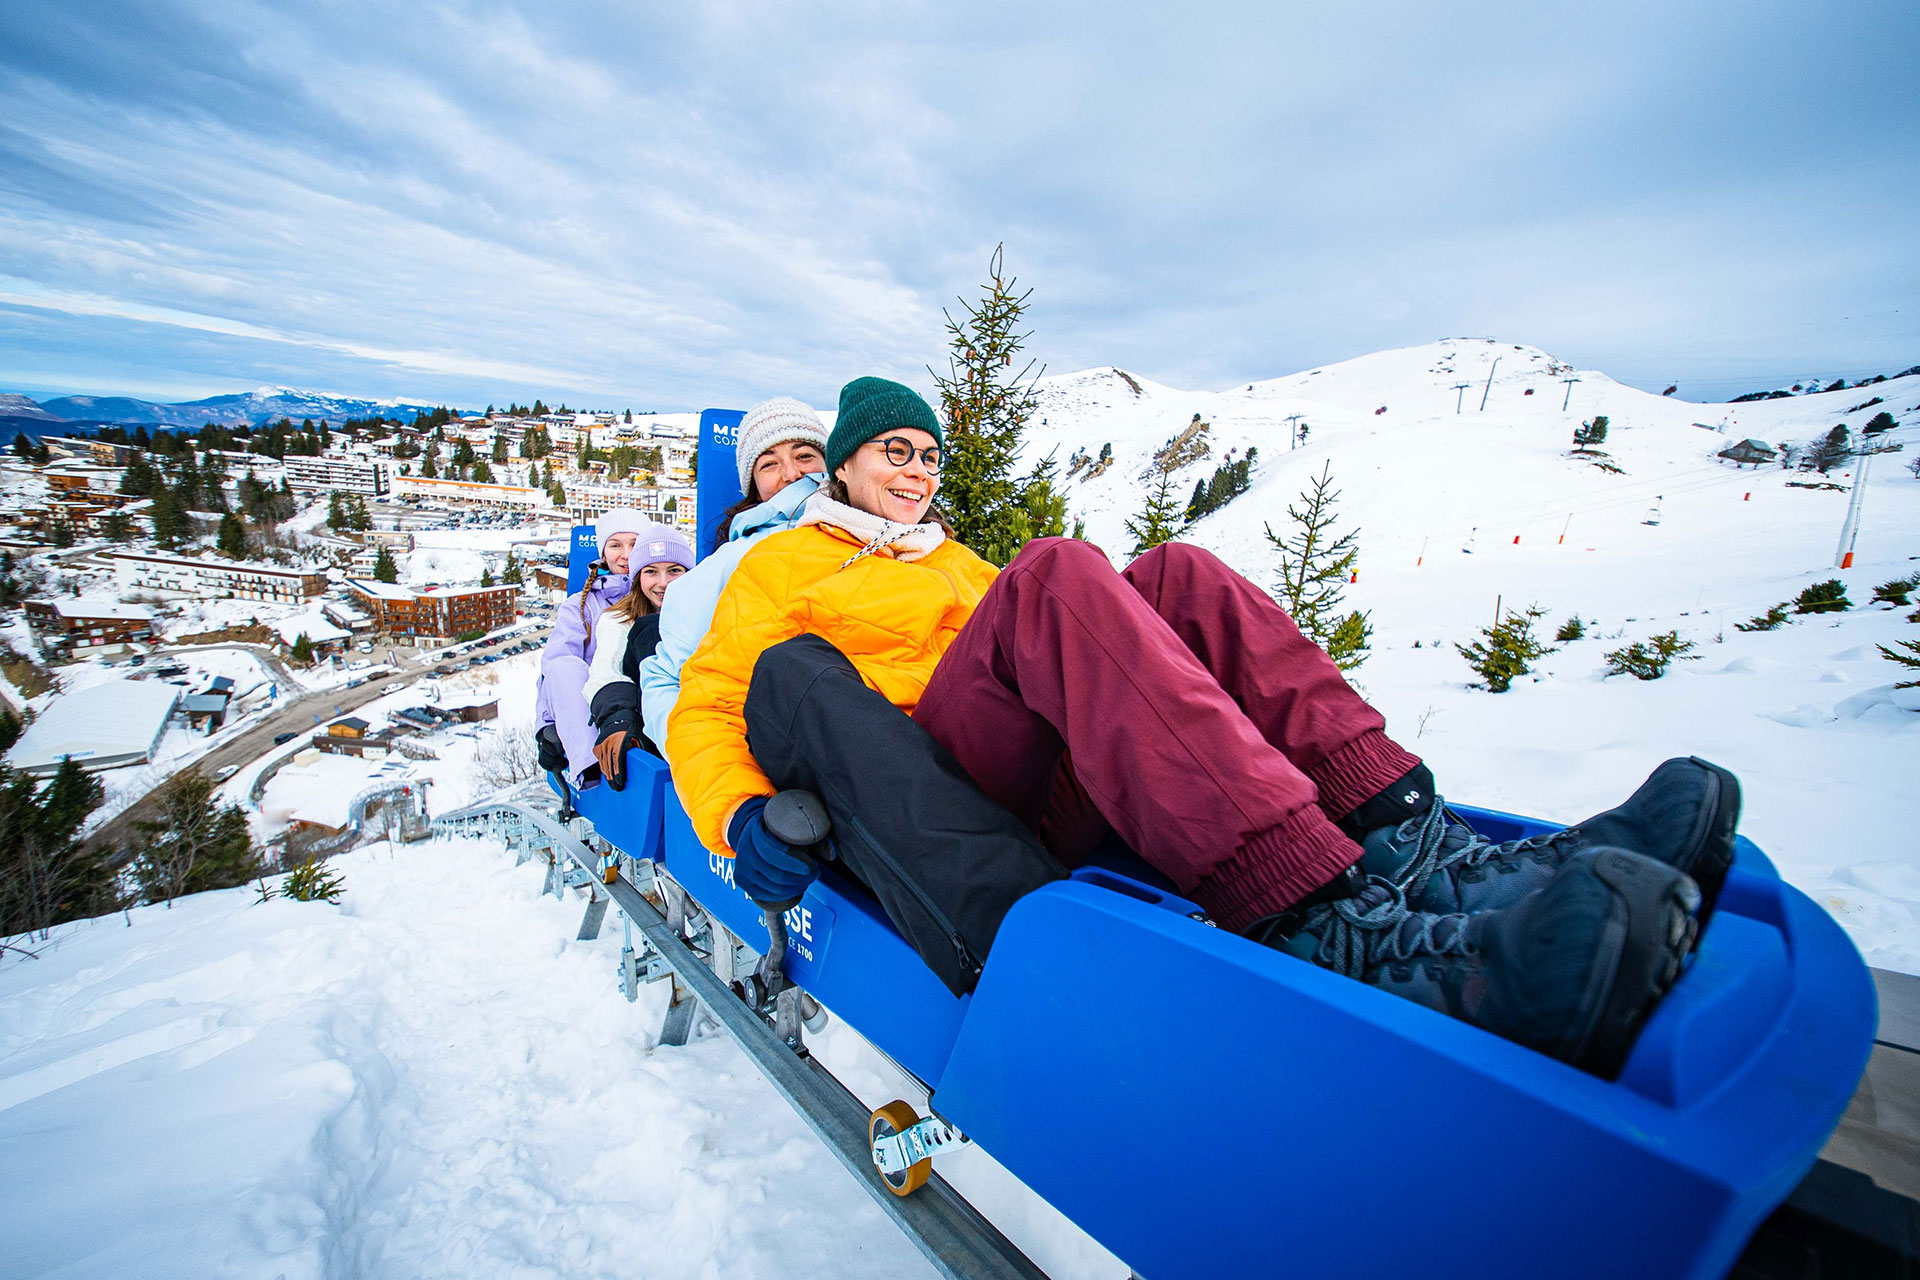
point(906, 541)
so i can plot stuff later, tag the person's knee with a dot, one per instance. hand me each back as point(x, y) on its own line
point(1059, 557)
point(784, 672)
point(1178, 560)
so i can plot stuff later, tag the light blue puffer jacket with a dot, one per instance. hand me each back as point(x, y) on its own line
point(689, 606)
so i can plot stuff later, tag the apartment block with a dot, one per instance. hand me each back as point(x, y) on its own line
point(340, 473)
point(213, 579)
point(434, 614)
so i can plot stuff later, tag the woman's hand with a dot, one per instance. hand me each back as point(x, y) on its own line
point(611, 752)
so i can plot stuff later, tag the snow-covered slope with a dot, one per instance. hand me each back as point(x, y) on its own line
point(431, 1080)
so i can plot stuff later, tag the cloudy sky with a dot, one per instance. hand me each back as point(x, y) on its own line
point(665, 206)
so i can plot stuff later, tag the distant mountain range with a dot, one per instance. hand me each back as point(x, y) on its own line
point(250, 408)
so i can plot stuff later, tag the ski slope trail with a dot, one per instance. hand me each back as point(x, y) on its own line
point(433, 1079)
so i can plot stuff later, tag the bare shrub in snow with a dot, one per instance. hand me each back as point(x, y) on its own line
point(506, 758)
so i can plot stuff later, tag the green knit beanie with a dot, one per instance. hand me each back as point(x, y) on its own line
point(871, 407)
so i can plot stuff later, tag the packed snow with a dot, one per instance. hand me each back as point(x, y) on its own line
point(432, 1079)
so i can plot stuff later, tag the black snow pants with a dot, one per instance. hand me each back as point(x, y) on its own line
point(945, 861)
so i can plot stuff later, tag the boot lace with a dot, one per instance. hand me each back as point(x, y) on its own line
point(1372, 929)
point(1430, 859)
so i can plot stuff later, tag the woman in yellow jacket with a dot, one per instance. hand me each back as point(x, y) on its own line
point(934, 704)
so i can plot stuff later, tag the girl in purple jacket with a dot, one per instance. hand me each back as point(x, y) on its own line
point(561, 718)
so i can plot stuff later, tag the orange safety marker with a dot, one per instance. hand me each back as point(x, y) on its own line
point(1516, 539)
point(1747, 497)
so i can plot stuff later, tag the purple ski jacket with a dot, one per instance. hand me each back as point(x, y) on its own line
point(561, 700)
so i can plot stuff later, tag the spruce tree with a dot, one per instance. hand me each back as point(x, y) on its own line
point(1506, 649)
point(303, 650)
point(986, 407)
point(1908, 656)
point(193, 845)
point(384, 569)
point(1159, 520)
point(232, 538)
point(512, 574)
point(171, 526)
point(47, 875)
point(1315, 565)
point(486, 576)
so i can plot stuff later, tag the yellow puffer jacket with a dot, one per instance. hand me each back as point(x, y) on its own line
point(892, 618)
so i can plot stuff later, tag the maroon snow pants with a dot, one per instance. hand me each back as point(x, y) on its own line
point(1219, 742)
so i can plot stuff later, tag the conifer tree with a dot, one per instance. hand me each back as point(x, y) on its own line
point(171, 526)
point(193, 845)
point(1159, 520)
point(512, 574)
point(486, 576)
point(47, 875)
point(1908, 656)
point(986, 407)
point(1506, 649)
point(303, 650)
point(384, 569)
point(1315, 564)
point(232, 538)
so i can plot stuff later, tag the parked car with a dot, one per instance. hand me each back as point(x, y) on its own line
point(282, 739)
point(225, 772)
point(395, 687)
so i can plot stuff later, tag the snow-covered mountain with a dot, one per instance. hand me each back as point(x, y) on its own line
point(248, 408)
point(1426, 474)
point(18, 407)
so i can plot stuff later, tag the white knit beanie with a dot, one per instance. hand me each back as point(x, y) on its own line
point(773, 422)
point(619, 520)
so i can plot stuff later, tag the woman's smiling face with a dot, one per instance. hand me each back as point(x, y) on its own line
point(780, 466)
point(656, 577)
point(897, 491)
point(618, 551)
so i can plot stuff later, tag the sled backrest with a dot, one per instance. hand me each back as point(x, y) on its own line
point(719, 475)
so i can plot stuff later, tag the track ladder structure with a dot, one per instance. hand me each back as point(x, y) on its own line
point(704, 961)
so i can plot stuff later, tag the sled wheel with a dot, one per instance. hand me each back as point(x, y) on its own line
point(897, 1117)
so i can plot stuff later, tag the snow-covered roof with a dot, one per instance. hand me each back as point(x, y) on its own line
point(380, 590)
point(88, 608)
point(315, 626)
point(113, 722)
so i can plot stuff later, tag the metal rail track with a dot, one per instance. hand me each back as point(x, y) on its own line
point(949, 1232)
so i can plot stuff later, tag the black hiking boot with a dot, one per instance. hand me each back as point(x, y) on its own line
point(1571, 970)
point(1683, 815)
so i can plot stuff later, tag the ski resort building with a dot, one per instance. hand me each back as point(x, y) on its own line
point(117, 722)
point(585, 502)
point(1750, 452)
point(212, 579)
point(472, 493)
point(89, 626)
point(341, 473)
point(434, 614)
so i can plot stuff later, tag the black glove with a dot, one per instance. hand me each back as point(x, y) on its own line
point(553, 756)
point(766, 868)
